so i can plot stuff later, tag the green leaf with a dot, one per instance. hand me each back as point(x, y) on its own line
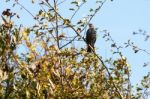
point(72, 9)
point(139, 89)
point(98, 1)
point(91, 10)
point(74, 2)
point(84, 1)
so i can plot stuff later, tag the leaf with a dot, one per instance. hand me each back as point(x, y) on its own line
point(91, 10)
point(50, 31)
point(139, 89)
point(74, 2)
point(68, 70)
point(98, 1)
point(28, 44)
point(80, 22)
point(113, 45)
point(44, 45)
point(72, 9)
point(33, 1)
point(111, 68)
point(77, 3)
point(51, 83)
point(27, 93)
point(84, 1)
point(126, 71)
point(26, 32)
point(145, 64)
point(135, 51)
point(66, 22)
point(7, 0)
point(7, 12)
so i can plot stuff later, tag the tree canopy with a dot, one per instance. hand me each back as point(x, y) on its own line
point(41, 61)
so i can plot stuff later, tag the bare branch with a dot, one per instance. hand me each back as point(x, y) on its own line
point(27, 10)
point(55, 8)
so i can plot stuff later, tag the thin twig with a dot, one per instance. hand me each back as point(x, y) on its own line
point(61, 2)
point(68, 42)
point(94, 14)
point(26, 10)
point(76, 11)
point(56, 17)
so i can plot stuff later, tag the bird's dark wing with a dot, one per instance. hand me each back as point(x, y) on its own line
point(90, 36)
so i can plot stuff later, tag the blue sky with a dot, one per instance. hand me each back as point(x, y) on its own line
point(120, 18)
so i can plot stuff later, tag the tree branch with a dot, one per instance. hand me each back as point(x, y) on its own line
point(26, 10)
point(57, 35)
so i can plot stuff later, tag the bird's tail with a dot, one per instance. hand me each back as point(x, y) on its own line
point(90, 48)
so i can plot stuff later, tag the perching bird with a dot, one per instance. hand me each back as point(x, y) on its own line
point(90, 38)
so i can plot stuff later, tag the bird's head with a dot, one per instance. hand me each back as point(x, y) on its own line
point(91, 26)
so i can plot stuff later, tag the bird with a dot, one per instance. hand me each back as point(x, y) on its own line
point(90, 37)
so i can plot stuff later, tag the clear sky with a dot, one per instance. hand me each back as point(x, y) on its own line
point(120, 18)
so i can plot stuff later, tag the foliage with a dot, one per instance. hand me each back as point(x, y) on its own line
point(48, 68)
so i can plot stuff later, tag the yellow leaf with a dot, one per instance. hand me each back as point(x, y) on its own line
point(52, 84)
point(28, 44)
point(66, 22)
point(44, 45)
point(68, 71)
point(74, 80)
point(33, 48)
point(26, 32)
